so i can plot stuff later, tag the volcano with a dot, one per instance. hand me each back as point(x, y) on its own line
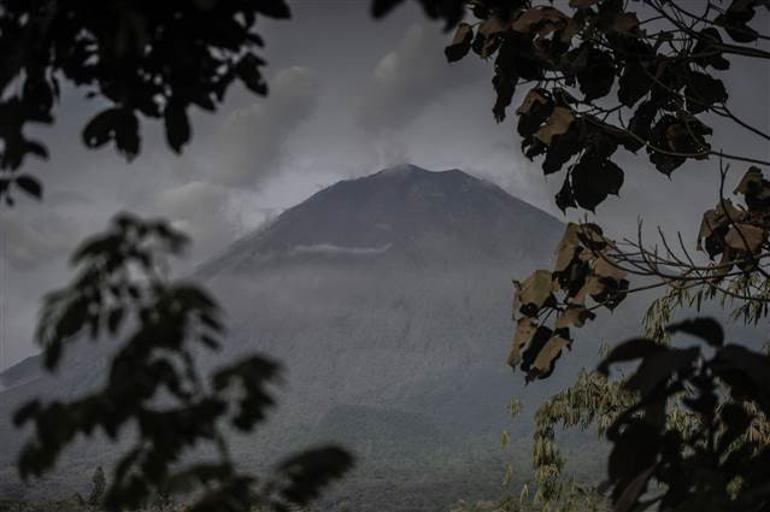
point(387, 301)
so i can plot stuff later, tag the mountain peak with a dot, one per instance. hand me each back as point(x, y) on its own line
point(409, 171)
point(402, 211)
point(401, 170)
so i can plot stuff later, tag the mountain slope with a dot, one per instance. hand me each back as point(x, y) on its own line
point(375, 288)
point(387, 300)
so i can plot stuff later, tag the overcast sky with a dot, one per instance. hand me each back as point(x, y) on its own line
point(349, 96)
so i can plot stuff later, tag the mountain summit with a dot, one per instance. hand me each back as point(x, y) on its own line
point(403, 211)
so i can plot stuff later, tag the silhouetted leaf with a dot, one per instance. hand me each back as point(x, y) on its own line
point(309, 472)
point(177, 126)
point(634, 83)
point(735, 21)
point(273, 8)
point(703, 91)
point(634, 451)
point(704, 328)
point(628, 351)
point(593, 180)
point(449, 10)
point(658, 367)
point(565, 198)
point(26, 412)
point(707, 52)
point(746, 372)
point(633, 491)
point(30, 185)
point(461, 44)
point(597, 75)
point(249, 73)
point(115, 124)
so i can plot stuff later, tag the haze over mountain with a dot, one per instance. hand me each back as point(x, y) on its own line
point(387, 300)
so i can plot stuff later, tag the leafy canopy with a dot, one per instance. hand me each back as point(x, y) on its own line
point(720, 462)
point(605, 75)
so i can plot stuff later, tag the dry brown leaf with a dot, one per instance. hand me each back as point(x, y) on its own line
point(557, 124)
point(535, 95)
point(592, 287)
point(536, 288)
point(545, 357)
point(717, 217)
point(708, 224)
point(730, 212)
point(463, 29)
point(603, 268)
point(745, 237)
point(593, 234)
point(574, 315)
point(525, 329)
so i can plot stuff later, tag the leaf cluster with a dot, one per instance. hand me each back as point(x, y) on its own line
point(739, 234)
point(154, 390)
point(714, 465)
point(142, 59)
point(582, 271)
point(605, 79)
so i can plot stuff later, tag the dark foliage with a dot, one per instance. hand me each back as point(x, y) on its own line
point(717, 464)
point(663, 79)
point(451, 11)
point(154, 385)
point(143, 59)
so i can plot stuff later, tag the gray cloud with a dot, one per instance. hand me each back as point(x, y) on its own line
point(408, 79)
point(250, 143)
point(32, 237)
